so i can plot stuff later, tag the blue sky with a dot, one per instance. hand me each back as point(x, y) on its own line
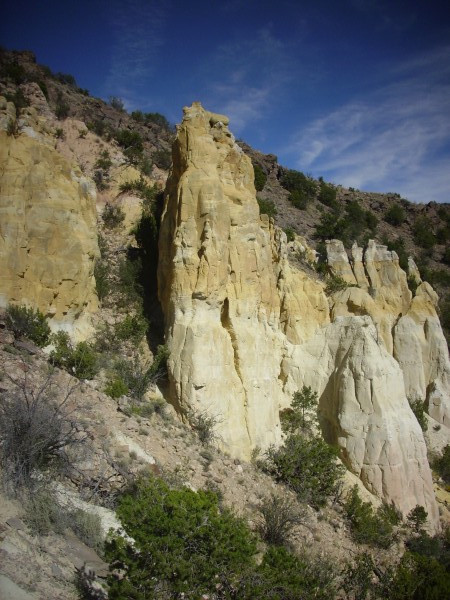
point(357, 91)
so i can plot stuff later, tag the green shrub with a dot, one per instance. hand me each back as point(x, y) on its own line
point(260, 178)
point(290, 234)
point(308, 466)
point(101, 271)
point(79, 359)
point(335, 283)
point(442, 465)
point(162, 159)
point(18, 99)
point(357, 580)
point(446, 256)
point(302, 413)
point(182, 544)
point(62, 110)
point(112, 215)
point(158, 368)
point(299, 199)
point(417, 406)
point(395, 215)
point(15, 72)
point(327, 194)
point(132, 144)
point(138, 116)
point(423, 233)
point(142, 189)
point(104, 161)
point(132, 328)
point(29, 323)
point(283, 576)
point(130, 276)
point(417, 517)
point(293, 181)
point(97, 126)
point(418, 577)
point(157, 119)
point(65, 78)
point(134, 375)
point(366, 525)
point(266, 207)
point(116, 388)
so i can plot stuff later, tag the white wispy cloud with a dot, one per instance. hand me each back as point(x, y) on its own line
point(139, 35)
point(245, 75)
point(396, 139)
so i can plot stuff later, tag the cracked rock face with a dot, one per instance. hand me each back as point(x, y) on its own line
point(48, 239)
point(408, 327)
point(246, 330)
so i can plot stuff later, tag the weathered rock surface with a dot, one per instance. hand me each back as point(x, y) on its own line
point(408, 326)
point(246, 330)
point(48, 240)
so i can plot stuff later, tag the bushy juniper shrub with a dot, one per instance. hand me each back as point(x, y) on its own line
point(335, 283)
point(290, 234)
point(14, 71)
point(299, 184)
point(132, 144)
point(299, 199)
point(116, 388)
point(157, 119)
point(104, 161)
point(260, 178)
point(182, 543)
point(423, 232)
point(78, 359)
point(418, 408)
point(29, 323)
point(367, 526)
point(132, 328)
point(442, 465)
point(18, 99)
point(266, 207)
point(417, 517)
point(327, 194)
point(395, 215)
point(102, 285)
point(162, 159)
point(130, 277)
point(308, 466)
point(112, 215)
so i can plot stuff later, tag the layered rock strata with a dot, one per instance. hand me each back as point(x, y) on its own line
point(246, 330)
point(48, 239)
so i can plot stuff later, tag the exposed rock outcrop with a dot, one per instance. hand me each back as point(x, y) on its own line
point(246, 329)
point(408, 326)
point(48, 239)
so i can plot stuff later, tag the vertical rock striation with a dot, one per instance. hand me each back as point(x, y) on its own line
point(246, 330)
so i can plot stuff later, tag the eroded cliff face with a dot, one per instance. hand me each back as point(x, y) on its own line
point(224, 290)
point(408, 327)
point(48, 238)
point(246, 329)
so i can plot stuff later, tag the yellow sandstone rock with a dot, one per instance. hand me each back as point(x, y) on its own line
point(48, 240)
